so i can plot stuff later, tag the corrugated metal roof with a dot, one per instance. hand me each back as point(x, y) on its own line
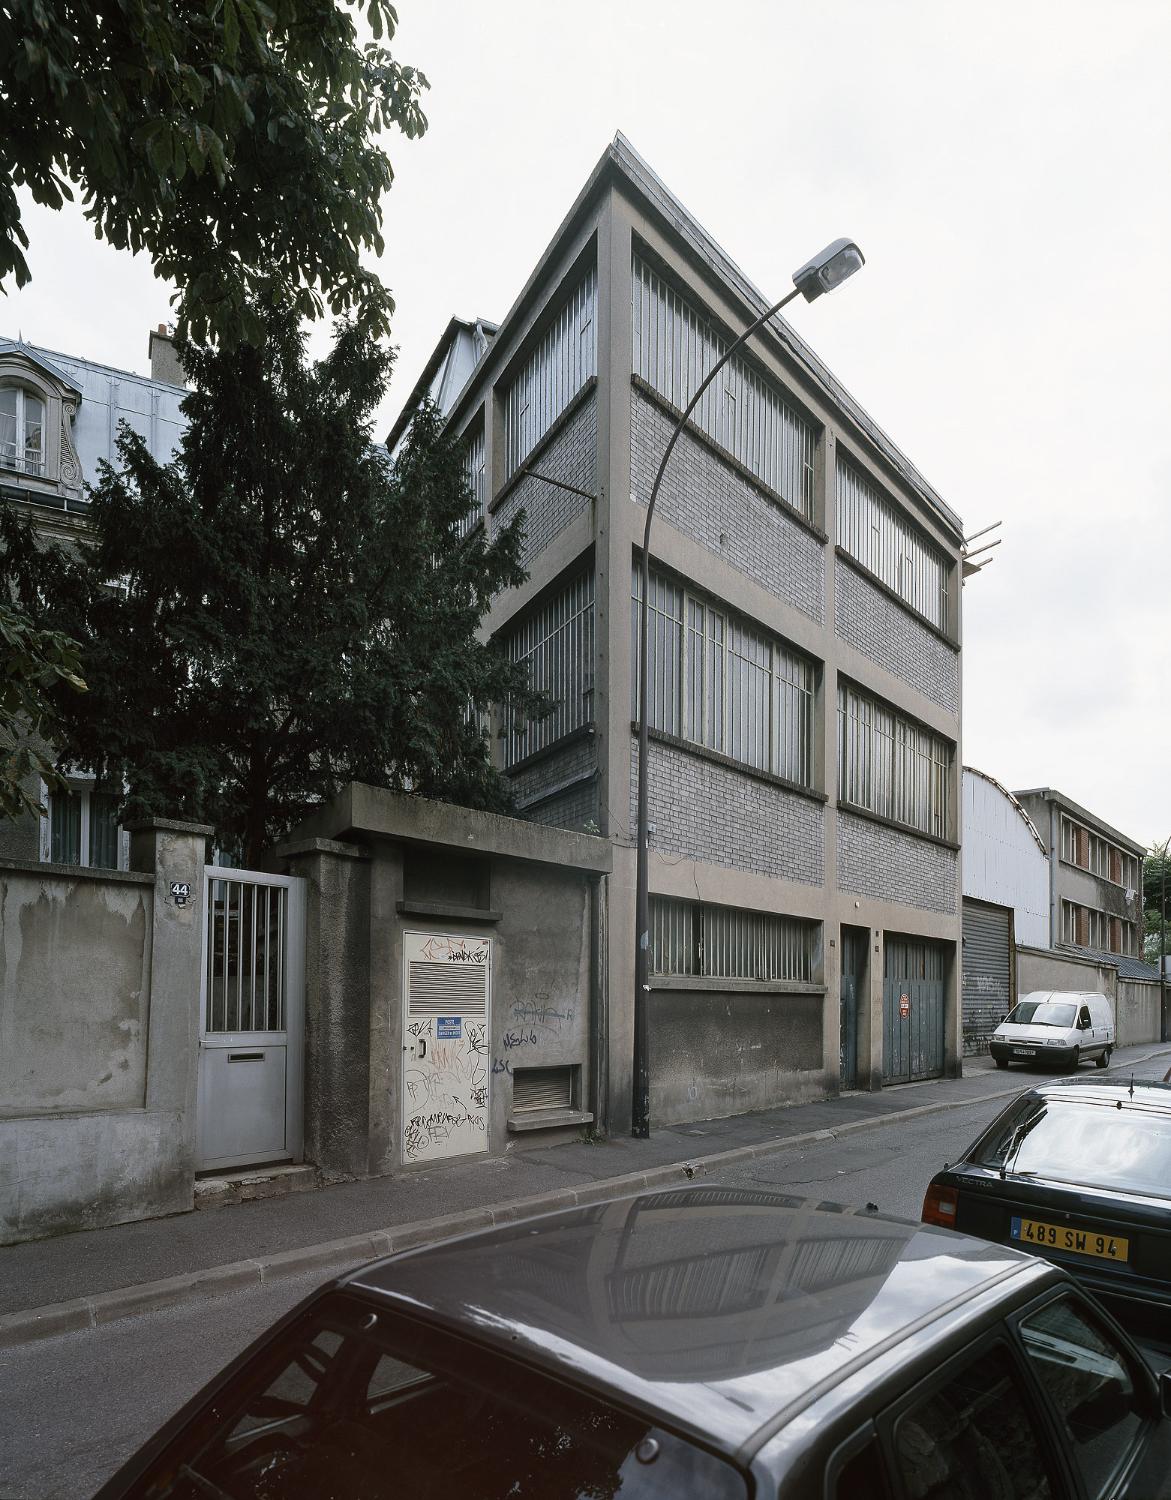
point(1128, 968)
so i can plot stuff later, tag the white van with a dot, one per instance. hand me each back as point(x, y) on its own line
point(1061, 1027)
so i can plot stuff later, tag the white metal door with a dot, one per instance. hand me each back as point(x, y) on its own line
point(251, 1019)
point(447, 982)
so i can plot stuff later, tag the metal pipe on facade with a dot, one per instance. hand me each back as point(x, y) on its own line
point(821, 274)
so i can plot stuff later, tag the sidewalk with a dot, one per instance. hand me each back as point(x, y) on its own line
point(79, 1280)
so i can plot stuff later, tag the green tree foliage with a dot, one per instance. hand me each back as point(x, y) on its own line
point(1156, 881)
point(235, 141)
point(290, 611)
point(32, 663)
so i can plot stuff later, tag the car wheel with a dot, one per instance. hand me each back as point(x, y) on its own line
point(1001, 1062)
point(1104, 1060)
point(1077, 1060)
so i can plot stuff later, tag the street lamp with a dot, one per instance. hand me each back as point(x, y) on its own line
point(821, 274)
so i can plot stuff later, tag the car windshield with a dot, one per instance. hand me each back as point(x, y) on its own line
point(1081, 1141)
point(1043, 1013)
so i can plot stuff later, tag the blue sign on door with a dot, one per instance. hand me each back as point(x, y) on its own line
point(449, 1028)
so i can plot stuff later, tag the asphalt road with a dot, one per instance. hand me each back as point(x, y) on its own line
point(74, 1407)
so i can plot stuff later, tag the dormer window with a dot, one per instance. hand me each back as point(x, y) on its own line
point(22, 430)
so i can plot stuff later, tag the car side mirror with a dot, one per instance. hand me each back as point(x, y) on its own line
point(1003, 1019)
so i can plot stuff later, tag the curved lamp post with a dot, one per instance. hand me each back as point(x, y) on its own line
point(821, 274)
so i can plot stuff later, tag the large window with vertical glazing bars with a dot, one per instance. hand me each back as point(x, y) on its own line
point(724, 942)
point(473, 470)
point(723, 683)
point(871, 529)
point(564, 359)
point(675, 346)
point(892, 766)
point(556, 642)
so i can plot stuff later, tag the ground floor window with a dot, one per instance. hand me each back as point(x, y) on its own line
point(723, 942)
point(81, 829)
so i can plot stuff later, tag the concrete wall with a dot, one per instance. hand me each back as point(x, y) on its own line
point(1045, 969)
point(380, 866)
point(718, 1052)
point(1136, 1010)
point(99, 999)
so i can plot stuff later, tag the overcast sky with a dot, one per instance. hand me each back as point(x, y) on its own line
point(1005, 168)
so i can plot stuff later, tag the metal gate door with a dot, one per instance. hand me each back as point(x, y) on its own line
point(251, 1019)
point(853, 969)
point(988, 978)
point(446, 986)
point(912, 1009)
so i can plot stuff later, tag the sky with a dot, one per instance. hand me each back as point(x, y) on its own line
point(1005, 169)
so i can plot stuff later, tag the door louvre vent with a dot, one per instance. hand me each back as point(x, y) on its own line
point(439, 988)
point(542, 1089)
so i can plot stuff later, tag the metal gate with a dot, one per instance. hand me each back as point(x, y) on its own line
point(251, 1019)
point(854, 945)
point(988, 971)
point(913, 972)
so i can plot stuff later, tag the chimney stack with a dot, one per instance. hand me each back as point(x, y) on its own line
point(164, 362)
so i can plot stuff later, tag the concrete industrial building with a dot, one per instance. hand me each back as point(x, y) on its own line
point(805, 663)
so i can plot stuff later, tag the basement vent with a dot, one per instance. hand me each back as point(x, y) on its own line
point(440, 989)
point(536, 1089)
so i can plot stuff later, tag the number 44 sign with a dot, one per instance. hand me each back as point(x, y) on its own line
point(904, 1007)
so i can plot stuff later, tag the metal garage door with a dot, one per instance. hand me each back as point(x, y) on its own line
point(912, 1008)
point(988, 986)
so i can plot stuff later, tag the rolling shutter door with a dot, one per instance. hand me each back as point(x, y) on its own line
point(988, 987)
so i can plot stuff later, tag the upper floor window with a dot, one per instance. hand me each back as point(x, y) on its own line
point(719, 681)
point(1089, 851)
point(674, 348)
point(473, 470)
point(556, 642)
point(873, 530)
point(22, 430)
point(723, 942)
point(892, 766)
point(564, 359)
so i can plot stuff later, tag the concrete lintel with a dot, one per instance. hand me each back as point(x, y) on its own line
point(373, 812)
point(320, 846)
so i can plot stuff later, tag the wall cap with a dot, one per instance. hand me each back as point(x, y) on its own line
point(319, 846)
point(42, 869)
point(169, 825)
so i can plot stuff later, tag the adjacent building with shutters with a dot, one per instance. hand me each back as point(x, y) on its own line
point(804, 662)
point(60, 417)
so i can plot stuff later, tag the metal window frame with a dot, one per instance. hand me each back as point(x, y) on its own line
point(736, 716)
point(893, 766)
point(874, 531)
point(745, 413)
point(564, 359)
point(473, 471)
point(701, 939)
point(556, 640)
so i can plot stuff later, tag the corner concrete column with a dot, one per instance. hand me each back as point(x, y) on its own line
point(337, 1003)
point(953, 1021)
point(176, 854)
point(875, 970)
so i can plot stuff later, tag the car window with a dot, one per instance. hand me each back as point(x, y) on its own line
point(1087, 1379)
point(861, 1477)
point(1080, 1141)
point(386, 1408)
point(1084, 1016)
point(974, 1437)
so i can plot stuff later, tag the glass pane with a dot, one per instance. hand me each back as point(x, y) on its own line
point(332, 1411)
point(103, 831)
point(1090, 1385)
point(1081, 1142)
point(8, 424)
point(34, 418)
point(973, 1437)
point(65, 828)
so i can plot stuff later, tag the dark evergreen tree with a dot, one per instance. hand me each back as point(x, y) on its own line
point(279, 610)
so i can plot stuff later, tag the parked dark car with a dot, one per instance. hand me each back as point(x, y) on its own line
point(706, 1343)
point(1079, 1172)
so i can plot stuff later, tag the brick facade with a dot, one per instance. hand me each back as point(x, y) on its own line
point(702, 810)
point(873, 623)
point(567, 776)
point(713, 504)
point(572, 456)
point(889, 865)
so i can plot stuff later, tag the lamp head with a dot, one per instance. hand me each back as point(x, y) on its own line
point(828, 269)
